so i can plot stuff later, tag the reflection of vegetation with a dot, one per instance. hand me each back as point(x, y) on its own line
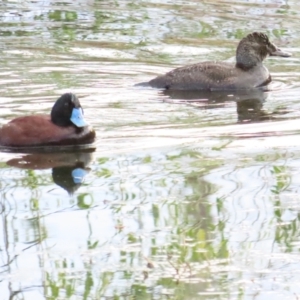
point(282, 179)
point(88, 284)
point(102, 160)
point(240, 33)
point(60, 15)
point(192, 236)
point(55, 285)
point(197, 244)
point(185, 241)
point(206, 31)
point(168, 236)
point(84, 201)
point(286, 232)
point(118, 104)
point(103, 172)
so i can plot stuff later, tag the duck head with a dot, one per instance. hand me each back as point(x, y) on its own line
point(254, 48)
point(67, 111)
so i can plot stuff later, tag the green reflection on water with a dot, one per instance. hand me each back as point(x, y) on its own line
point(59, 15)
point(282, 178)
point(173, 235)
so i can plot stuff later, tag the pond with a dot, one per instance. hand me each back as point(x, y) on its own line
point(185, 196)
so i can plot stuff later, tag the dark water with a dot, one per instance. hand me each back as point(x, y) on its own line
point(187, 196)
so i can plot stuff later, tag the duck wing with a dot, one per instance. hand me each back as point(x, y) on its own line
point(201, 76)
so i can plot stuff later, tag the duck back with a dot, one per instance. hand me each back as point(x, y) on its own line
point(212, 76)
point(39, 130)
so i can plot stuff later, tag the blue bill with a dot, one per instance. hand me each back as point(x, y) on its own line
point(78, 175)
point(77, 117)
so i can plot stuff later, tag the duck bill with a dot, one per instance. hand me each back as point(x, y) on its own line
point(78, 175)
point(279, 52)
point(77, 117)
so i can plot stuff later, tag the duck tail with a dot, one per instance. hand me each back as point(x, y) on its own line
point(143, 84)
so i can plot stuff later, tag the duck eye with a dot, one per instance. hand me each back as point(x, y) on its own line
point(67, 105)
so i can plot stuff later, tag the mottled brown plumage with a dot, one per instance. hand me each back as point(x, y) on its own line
point(248, 72)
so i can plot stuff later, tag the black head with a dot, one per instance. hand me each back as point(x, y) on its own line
point(67, 111)
point(69, 177)
point(254, 48)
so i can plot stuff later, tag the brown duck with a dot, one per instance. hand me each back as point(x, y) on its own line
point(247, 73)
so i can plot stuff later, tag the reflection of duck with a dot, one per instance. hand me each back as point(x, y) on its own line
point(68, 169)
point(249, 102)
point(248, 72)
point(70, 178)
point(64, 126)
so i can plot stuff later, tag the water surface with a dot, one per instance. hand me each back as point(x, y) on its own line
point(186, 196)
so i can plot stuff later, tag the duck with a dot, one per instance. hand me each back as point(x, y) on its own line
point(65, 126)
point(247, 73)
